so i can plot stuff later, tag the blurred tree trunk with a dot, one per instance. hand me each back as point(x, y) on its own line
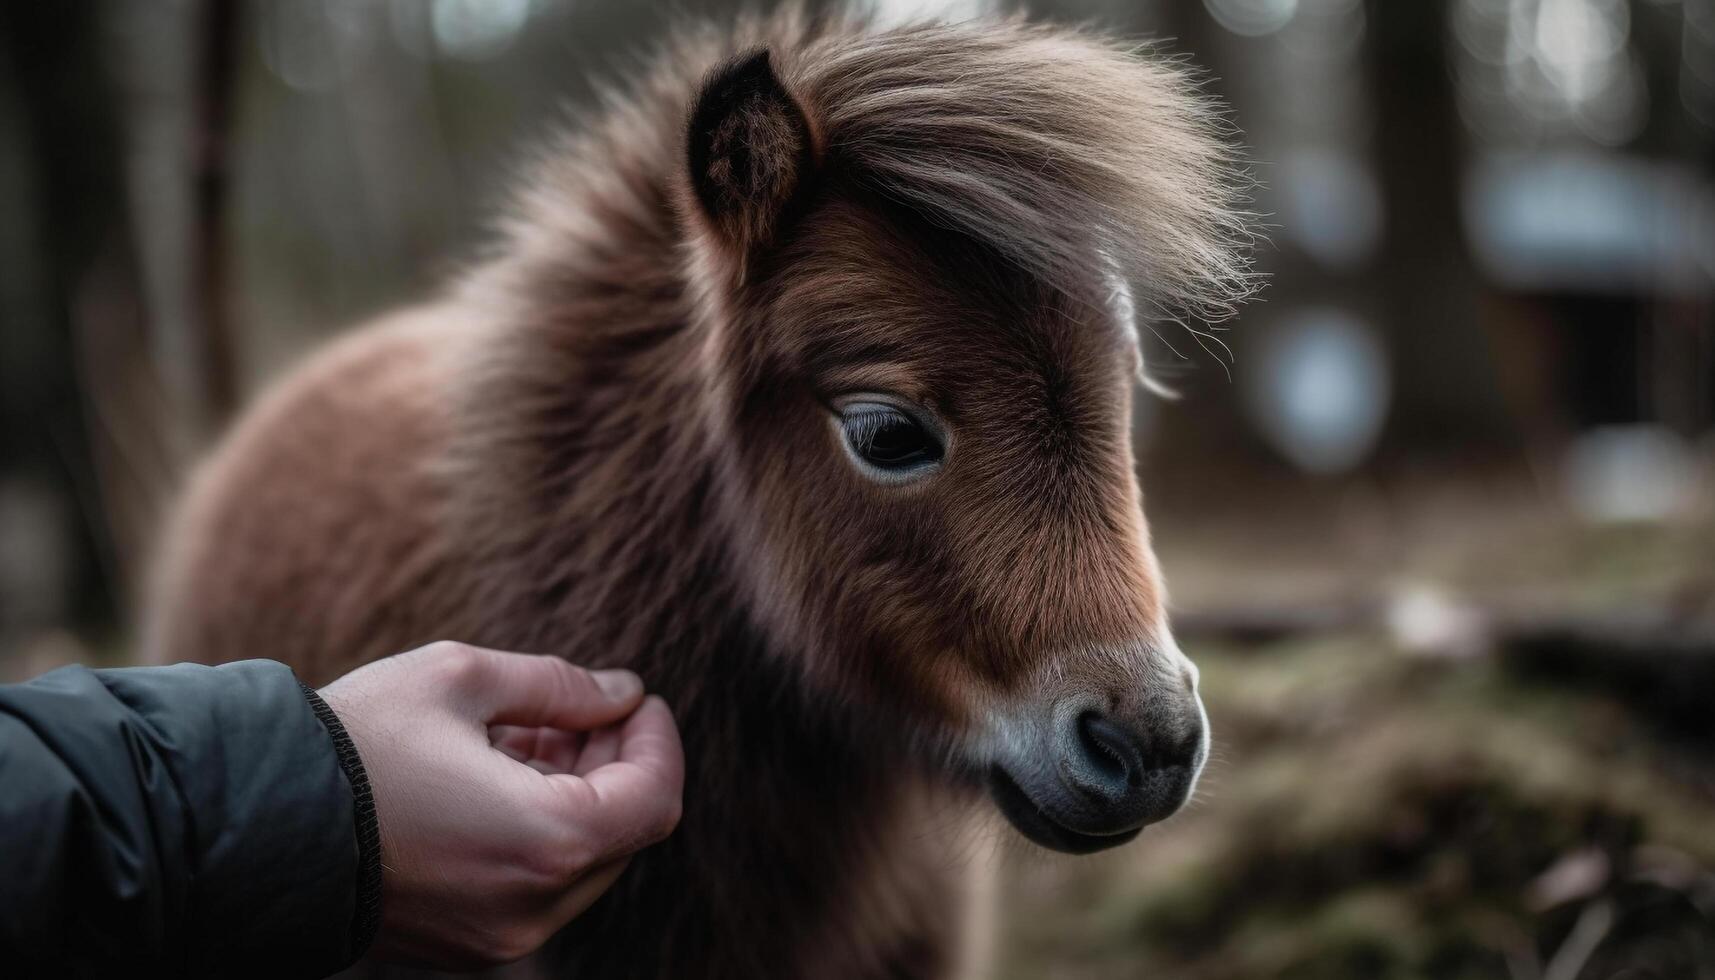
point(216, 86)
point(65, 252)
point(1419, 289)
point(116, 351)
point(1446, 388)
point(177, 71)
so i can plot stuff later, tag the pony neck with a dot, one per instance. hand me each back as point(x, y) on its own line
point(585, 489)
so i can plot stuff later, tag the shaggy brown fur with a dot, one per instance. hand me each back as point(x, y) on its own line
point(611, 442)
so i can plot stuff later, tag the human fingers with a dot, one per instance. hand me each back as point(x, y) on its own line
point(588, 888)
point(601, 747)
point(544, 749)
point(537, 691)
point(635, 800)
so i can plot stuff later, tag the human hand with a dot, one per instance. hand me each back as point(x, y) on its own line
point(511, 791)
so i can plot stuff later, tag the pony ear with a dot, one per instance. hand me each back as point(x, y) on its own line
point(749, 150)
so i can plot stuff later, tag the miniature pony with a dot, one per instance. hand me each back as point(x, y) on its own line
point(800, 383)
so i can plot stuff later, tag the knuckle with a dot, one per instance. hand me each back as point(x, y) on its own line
point(457, 663)
point(578, 852)
point(669, 818)
point(662, 819)
point(560, 854)
point(511, 942)
point(564, 860)
point(575, 683)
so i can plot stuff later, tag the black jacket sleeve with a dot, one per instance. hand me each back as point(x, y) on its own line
point(185, 821)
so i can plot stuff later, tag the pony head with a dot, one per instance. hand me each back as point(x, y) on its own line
point(920, 255)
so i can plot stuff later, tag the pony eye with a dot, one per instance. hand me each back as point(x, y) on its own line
point(887, 442)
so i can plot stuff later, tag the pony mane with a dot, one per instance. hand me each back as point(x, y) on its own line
point(1063, 150)
point(1078, 157)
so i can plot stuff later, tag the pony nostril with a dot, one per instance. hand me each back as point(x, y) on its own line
point(1110, 749)
point(1187, 749)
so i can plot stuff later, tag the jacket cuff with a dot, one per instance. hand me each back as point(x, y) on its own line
point(366, 917)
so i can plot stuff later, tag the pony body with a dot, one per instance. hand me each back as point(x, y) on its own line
point(611, 441)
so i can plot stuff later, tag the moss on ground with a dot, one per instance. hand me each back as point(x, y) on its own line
point(1372, 815)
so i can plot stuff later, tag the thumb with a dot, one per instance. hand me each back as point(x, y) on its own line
point(536, 691)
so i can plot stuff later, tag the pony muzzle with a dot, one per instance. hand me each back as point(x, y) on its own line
point(1097, 772)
